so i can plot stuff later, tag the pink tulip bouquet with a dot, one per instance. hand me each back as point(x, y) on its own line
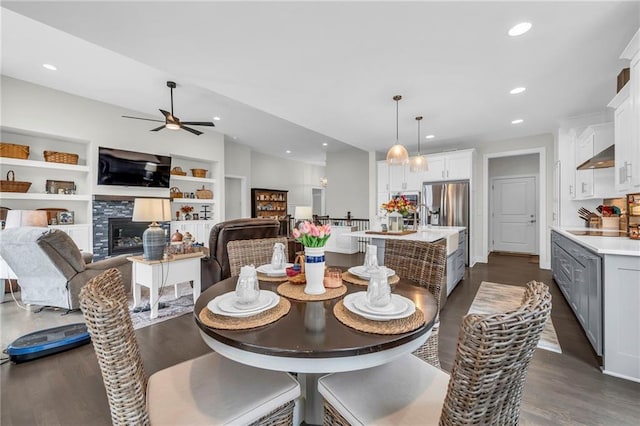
point(312, 235)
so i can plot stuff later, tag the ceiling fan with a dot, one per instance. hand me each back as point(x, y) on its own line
point(171, 121)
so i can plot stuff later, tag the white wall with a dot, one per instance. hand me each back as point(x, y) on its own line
point(544, 142)
point(237, 163)
point(279, 173)
point(34, 108)
point(514, 166)
point(348, 183)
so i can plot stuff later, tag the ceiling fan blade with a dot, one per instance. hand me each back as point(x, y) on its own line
point(199, 123)
point(140, 118)
point(189, 129)
point(157, 128)
point(169, 116)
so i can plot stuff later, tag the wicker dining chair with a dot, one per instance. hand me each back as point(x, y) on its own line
point(485, 386)
point(209, 389)
point(253, 252)
point(424, 264)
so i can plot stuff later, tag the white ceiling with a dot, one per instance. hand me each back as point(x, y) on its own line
point(291, 75)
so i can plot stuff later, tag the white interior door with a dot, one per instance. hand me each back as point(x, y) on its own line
point(233, 191)
point(513, 212)
point(317, 195)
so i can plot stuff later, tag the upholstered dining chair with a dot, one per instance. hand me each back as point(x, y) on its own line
point(256, 252)
point(206, 390)
point(485, 386)
point(424, 264)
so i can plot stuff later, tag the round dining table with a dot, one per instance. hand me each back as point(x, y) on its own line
point(310, 341)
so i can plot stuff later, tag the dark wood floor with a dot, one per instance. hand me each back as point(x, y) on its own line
point(66, 389)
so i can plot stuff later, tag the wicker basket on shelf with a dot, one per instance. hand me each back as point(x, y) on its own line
point(178, 171)
point(12, 150)
point(174, 192)
point(199, 173)
point(204, 194)
point(60, 157)
point(11, 185)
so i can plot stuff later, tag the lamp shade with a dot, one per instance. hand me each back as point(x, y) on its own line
point(152, 210)
point(397, 155)
point(18, 218)
point(303, 212)
point(418, 164)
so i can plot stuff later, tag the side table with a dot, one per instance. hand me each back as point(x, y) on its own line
point(157, 274)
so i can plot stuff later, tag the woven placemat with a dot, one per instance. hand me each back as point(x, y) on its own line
point(265, 277)
point(396, 326)
point(222, 322)
point(296, 292)
point(354, 279)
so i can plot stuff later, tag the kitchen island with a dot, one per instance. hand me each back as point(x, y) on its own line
point(453, 236)
point(600, 278)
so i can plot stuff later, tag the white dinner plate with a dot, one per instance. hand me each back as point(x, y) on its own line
point(348, 303)
point(269, 271)
point(397, 306)
point(362, 272)
point(225, 304)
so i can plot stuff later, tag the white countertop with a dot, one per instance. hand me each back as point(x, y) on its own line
point(622, 246)
point(434, 233)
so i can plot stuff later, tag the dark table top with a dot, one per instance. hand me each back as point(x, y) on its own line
point(301, 333)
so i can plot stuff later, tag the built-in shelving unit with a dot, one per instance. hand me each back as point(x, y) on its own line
point(36, 170)
point(190, 185)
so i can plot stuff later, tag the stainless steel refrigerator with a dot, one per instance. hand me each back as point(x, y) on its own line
point(446, 204)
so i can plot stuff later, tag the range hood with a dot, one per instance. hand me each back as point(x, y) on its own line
point(601, 160)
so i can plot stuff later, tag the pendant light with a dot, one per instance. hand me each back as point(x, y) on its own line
point(397, 154)
point(418, 163)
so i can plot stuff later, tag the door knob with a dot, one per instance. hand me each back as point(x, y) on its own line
point(532, 221)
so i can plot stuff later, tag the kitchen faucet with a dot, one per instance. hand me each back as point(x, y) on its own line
point(415, 214)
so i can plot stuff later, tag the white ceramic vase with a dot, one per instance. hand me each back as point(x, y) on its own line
point(314, 270)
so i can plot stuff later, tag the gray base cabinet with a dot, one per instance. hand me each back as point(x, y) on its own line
point(621, 318)
point(578, 273)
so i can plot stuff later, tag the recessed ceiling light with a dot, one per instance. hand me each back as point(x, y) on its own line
point(517, 121)
point(288, 152)
point(517, 90)
point(430, 136)
point(50, 67)
point(519, 29)
point(216, 118)
point(324, 144)
point(235, 137)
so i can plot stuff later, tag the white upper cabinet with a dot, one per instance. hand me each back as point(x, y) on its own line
point(383, 176)
point(401, 179)
point(458, 165)
point(449, 166)
point(627, 123)
point(623, 126)
point(435, 163)
point(593, 183)
point(397, 182)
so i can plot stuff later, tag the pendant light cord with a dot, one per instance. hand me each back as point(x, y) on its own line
point(397, 121)
point(418, 119)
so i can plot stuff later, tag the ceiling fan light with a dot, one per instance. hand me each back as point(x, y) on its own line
point(418, 164)
point(172, 126)
point(397, 155)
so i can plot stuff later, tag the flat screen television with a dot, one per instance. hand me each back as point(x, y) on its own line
point(130, 168)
